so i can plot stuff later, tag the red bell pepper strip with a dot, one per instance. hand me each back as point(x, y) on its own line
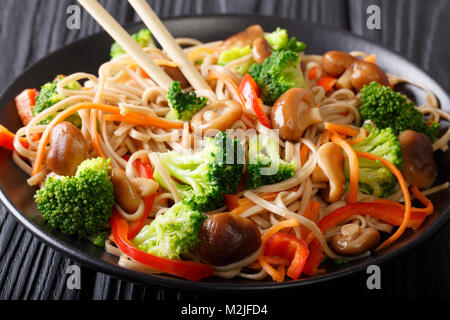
point(7, 139)
point(185, 269)
point(288, 247)
point(386, 212)
point(314, 259)
point(122, 231)
point(250, 92)
point(326, 82)
point(25, 102)
point(145, 171)
point(312, 74)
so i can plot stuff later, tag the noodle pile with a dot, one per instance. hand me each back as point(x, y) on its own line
point(121, 83)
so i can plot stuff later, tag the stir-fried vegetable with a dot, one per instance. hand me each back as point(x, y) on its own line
point(235, 53)
point(143, 38)
point(374, 178)
point(171, 234)
point(279, 40)
point(387, 108)
point(265, 165)
point(251, 94)
point(204, 177)
point(185, 269)
point(278, 73)
point(183, 105)
point(49, 96)
point(80, 205)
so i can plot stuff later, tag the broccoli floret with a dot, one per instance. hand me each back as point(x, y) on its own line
point(374, 178)
point(279, 40)
point(278, 73)
point(340, 263)
point(183, 105)
point(171, 234)
point(49, 96)
point(99, 239)
point(207, 175)
point(233, 54)
point(265, 166)
point(390, 109)
point(143, 38)
point(80, 205)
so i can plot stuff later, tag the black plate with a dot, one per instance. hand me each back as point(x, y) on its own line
point(88, 54)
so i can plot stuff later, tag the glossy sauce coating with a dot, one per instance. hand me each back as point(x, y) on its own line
point(126, 197)
point(67, 149)
point(352, 72)
point(419, 167)
point(226, 238)
point(292, 114)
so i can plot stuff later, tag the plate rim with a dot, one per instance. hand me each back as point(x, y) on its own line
point(99, 265)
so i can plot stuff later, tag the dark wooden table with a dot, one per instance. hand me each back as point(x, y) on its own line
point(30, 29)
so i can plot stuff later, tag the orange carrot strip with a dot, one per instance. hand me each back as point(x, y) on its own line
point(145, 120)
point(312, 215)
point(353, 165)
point(341, 128)
point(429, 208)
point(94, 133)
point(406, 196)
point(60, 117)
point(327, 82)
point(306, 214)
point(362, 135)
point(230, 85)
point(371, 58)
point(304, 150)
point(245, 203)
point(194, 53)
point(277, 275)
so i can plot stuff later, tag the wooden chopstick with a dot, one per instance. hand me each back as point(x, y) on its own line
point(169, 44)
point(119, 34)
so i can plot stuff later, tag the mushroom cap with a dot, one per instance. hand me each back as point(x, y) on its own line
point(331, 162)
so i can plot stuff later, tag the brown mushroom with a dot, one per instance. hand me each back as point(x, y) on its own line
point(352, 72)
point(226, 238)
point(219, 115)
point(144, 187)
point(419, 167)
point(353, 241)
point(363, 73)
point(67, 149)
point(293, 112)
point(243, 38)
point(261, 50)
point(126, 197)
point(335, 63)
point(330, 168)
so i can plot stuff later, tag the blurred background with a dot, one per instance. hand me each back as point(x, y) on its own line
point(30, 29)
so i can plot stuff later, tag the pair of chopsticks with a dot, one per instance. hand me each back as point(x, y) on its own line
point(160, 32)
